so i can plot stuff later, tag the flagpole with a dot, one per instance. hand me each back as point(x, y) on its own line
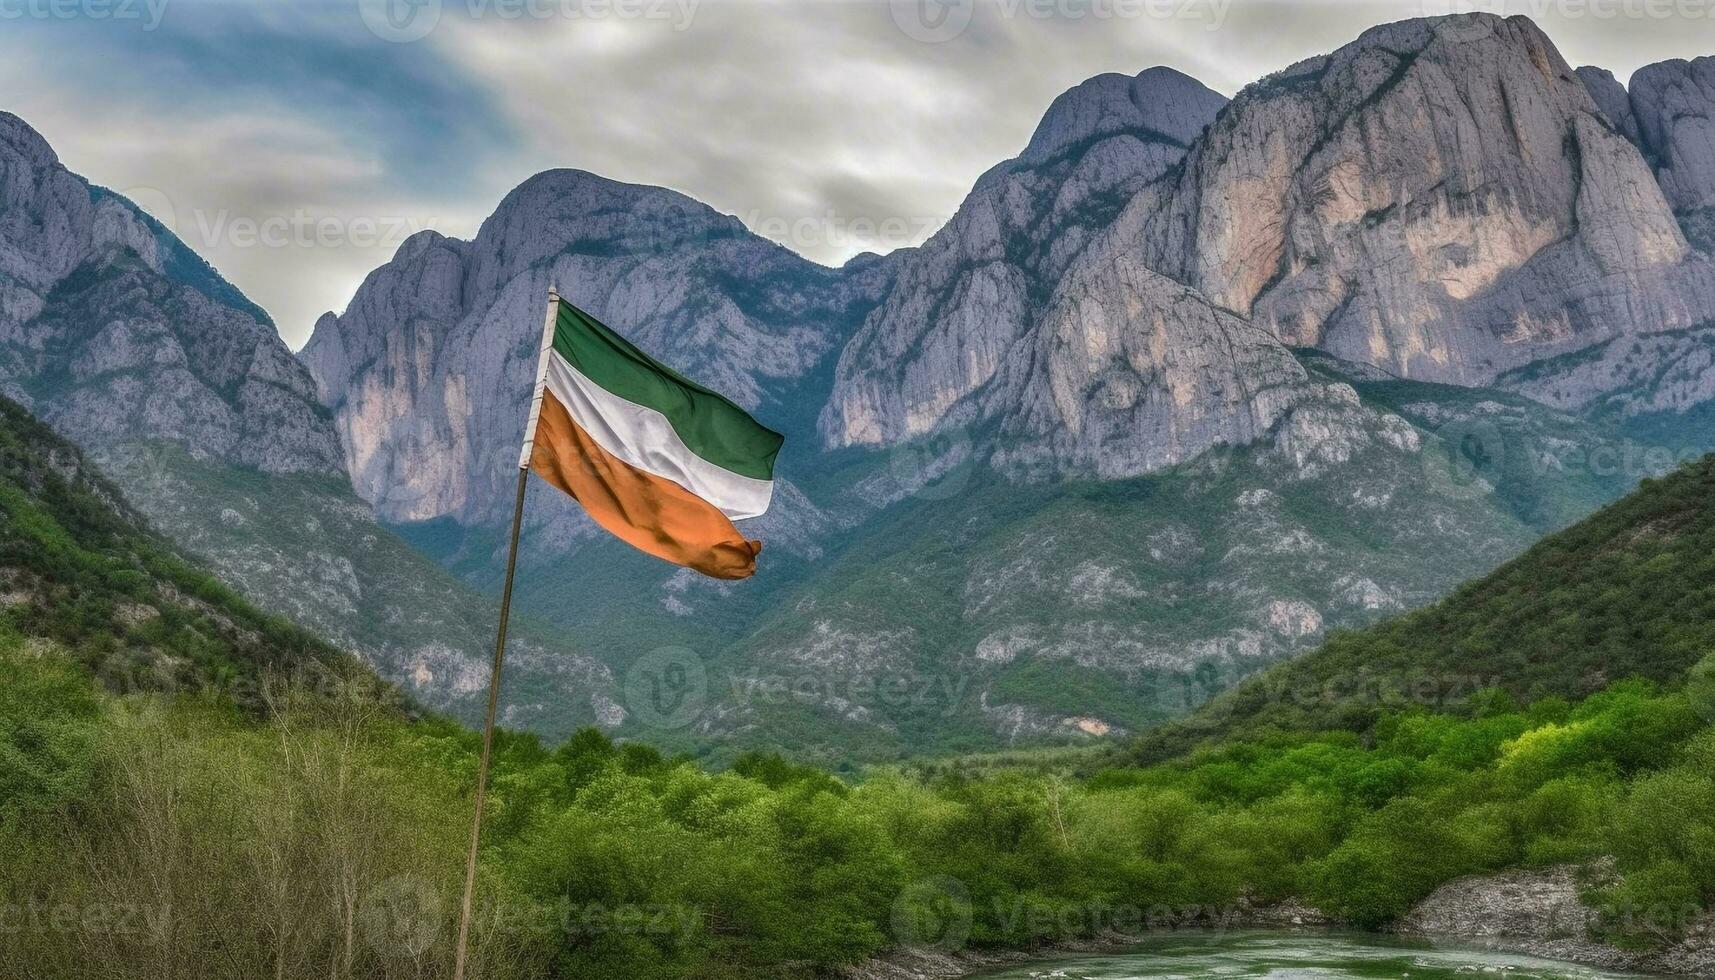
point(500, 649)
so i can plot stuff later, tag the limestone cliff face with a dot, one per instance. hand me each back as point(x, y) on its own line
point(1441, 198)
point(1131, 372)
point(119, 336)
point(112, 330)
point(429, 371)
point(1674, 103)
point(961, 303)
point(1613, 100)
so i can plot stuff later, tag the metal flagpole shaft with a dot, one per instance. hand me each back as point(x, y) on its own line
point(488, 728)
point(500, 637)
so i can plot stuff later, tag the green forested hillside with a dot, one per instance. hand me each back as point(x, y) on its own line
point(1629, 592)
point(151, 830)
point(79, 566)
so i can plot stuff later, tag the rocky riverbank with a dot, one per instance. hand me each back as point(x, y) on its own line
point(919, 963)
point(1539, 912)
point(1535, 912)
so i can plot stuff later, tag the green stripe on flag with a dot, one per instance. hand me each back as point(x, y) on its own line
point(710, 424)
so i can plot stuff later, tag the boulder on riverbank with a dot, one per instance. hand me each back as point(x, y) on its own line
point(1540, 912)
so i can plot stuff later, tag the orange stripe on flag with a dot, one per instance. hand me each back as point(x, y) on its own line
point(647, 512)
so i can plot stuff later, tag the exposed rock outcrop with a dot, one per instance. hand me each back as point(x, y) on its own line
point(1661, 374)
point(429, 370)
point(1130, 372)
point(1540, 912)
point(962, 301)
point(1442, 198)
point(112, 330)
point(1611, 97)
point(125, 341)
point(1674, 103)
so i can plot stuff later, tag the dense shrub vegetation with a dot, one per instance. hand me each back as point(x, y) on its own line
point(144, 836)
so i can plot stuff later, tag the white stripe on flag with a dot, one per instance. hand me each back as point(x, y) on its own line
point(643, 437)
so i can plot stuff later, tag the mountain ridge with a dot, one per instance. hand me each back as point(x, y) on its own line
point(119, 336)
point(1041, 343)
point(1351, 202)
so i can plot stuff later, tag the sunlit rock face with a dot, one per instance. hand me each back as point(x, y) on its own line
point(1036, 320)
point(1130, 372)
point(962, 303)
point(1441, 198)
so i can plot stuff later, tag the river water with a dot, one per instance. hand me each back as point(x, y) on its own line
point(1290, 956)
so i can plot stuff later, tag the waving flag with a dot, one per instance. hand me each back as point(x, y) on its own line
point(658, 460)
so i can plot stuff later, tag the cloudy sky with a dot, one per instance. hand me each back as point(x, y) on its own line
point(295, 143)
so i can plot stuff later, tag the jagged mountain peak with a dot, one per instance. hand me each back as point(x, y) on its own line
point(964, 302)
point(1451, 32)
point(419, 243)
point(570, 190)
point(1157, 102)
point(1674, 105)
point(428, 370)
point(1442, 198)
point(1416, 36)
point(569, 207)
point(1672, 69)
point(113, 330)
point(20, 138)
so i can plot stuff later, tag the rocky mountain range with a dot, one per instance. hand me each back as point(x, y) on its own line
point(1179, 388)
point(1441, 202)
point(125, 341)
